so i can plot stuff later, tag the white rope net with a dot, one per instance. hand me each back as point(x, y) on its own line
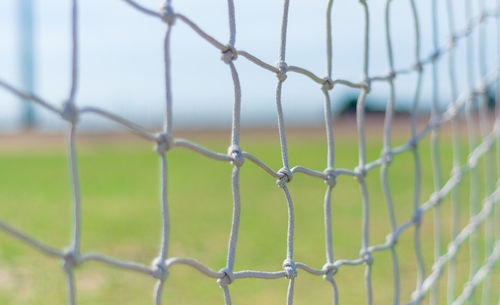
point(465, 103)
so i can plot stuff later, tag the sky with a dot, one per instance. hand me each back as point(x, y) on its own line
point(122, 71)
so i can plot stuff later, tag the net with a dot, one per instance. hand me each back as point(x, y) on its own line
point(463, 102)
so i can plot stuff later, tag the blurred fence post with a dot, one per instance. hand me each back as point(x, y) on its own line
point(26, 60)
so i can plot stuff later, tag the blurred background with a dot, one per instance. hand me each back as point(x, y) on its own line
point(122, 63)
point(122, 71)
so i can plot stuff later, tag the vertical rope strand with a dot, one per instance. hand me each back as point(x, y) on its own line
point(74, 51)
point(436, 160)
point(168, 82)
point(456, 149)
point(361, 170)
point(159, 267)
point(497, 125)
point(497, 120)
point(281, 79)
point(414, 141)
point(471, 130)
point(288, 264)
point(235, 152)
point(328, 117)
point(329, 44)
point(488, 159)
point(71, 114)
point(387, 153)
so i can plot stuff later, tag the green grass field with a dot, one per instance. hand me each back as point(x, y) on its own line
point(120, 206)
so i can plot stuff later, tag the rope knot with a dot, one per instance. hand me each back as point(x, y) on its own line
point(367, 256)
point(413, 144)
point(331, 177)
point(472, 163)
point(456, 171)
point(435, 197)
point(328, 84)
point(468, 28)
point(453, 42)
point(392, 239)
point(167, 13)
point(438, 269)
point(391, 74)
point(285, 176)
point(235, 152)
point(159, 268)
point(366, 84)
point(387, 156)
point(483, 17)
point(330, 270)
point(227, 278)
point(435, 122)
point(282, 68)
point(418, 66)
point(435, 56)
point(229, 54)
point(163, 143)
point(417, 217)
point(360, 171)
point(452, 248)
point(290, 270)
point(70, 112)
point(71, 258)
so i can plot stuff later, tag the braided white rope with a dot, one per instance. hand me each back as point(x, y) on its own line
point(164, 141)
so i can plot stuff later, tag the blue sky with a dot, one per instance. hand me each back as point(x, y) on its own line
point(122, 61)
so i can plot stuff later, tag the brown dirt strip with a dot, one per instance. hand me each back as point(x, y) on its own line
point(344, 127)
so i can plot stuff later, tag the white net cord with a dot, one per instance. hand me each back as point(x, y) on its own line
point(483, 144)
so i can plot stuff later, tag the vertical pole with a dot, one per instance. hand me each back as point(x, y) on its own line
point(26, 61)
